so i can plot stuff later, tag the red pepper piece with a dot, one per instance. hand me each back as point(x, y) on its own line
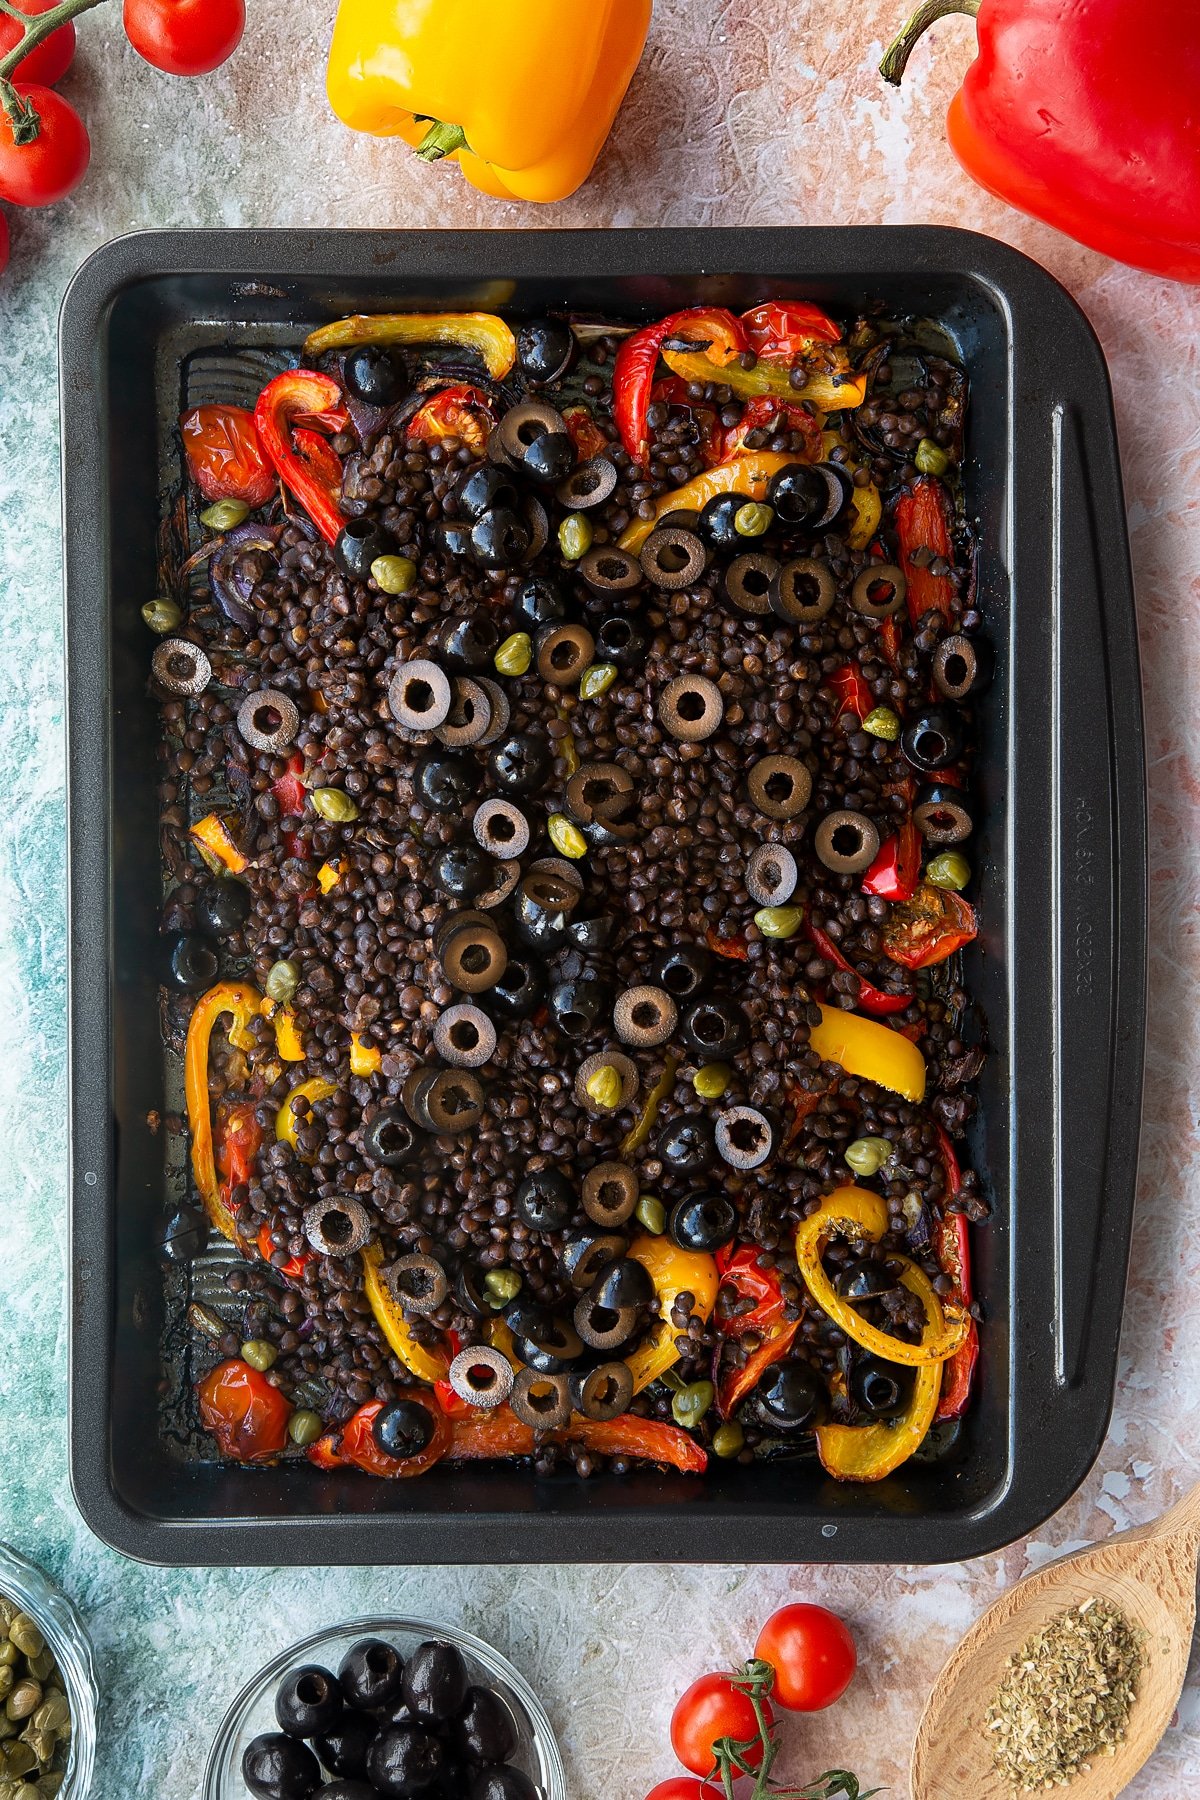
point(290, 790)
point(953, 1245)
point(740, 1382)
point(460, 411)
point(646, 1439)
point(870, 999)
point(735, 947)
point(784, 330)
point(741, 1271)
point(293, 1268)
point(322, 462)
point(923, 523)
point(896, 872)
point(759, 411)
point(803, 1102)
point(245, 1412)
point(238, 1146)
point(850, 686)
point(300, 394)
point(636, 361)
point(890, 641)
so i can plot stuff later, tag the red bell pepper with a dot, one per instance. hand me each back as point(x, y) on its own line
point(734, 949)
point(890, 640)
point(923, 523)
point(870, 999)
point(355, 1442)
point(302, 395)
point(734, 1386)
point(245, 1412)
point(740, 1270)
point(953, 1245)
point(759, 411)
point(322, 462)
point(1084, 116)
point(672, 390)
point(802, 1102)
point(238, 1146)
point(896, 872)
point(499, 1433)
point(461, 411)
point(637, 360)
point(784, 330)
point(290, 790)
point(928, 928)
point(850, 686)
point(293, 1268)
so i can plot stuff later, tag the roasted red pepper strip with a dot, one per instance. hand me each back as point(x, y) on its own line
point(889, 641)
point(740, 1382)
point(759, 412)
point(461, 411)
point(929, 927)
point(637, 359)
point(500, 1433)
point(741, 1271)
point(290, 790)
point(923, 523)
point(870, 999)
point(850, 686)
point(782, 330)
point(293, 1268)
point(299, 394)
point(246, 1414)
point(240, 1140)
point(803, 1102)
point(953, 1245)
point(896, 872)
point(735, 949)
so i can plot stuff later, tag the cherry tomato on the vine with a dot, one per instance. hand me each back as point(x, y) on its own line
point(55, 162)
point(185, 37)
point(51, 59)
point(712, 1708)
point(684, 1787)
point(812, 1654)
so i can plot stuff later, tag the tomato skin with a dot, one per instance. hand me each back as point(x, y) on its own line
point(52, 57)
point(928, 928)
point(812, 1654)
point(245, 1413)
point(185, 37)
point(224, 456)
point(782, 330)
point(712, 1708)
point(53, 165)
point(683, 1787)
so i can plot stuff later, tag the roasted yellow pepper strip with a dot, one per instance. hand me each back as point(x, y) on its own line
point(827, 389)
point(639, 1131)
point(238, 1002)
point(484, 332)
point(869, 1452)
point(287, 1123)
point(213, 836)
point(749, 475)
point(425, 1363)
point(673, 1272)
point(364, 1058)
point(865, 1047)
point(288, 1041)
point(868, 511)
point(328, 876)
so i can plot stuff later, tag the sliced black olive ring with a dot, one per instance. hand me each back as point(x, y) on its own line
point(541, 1401)
point(419, 695)
point(932, 742)
point(268, 720)
point(586, 1253)
point(780, 787)
point(803, 591)
point(611, 570)
point(620, 639)
point(610, 1193)
point(454, 1102)
point(846, 842)
point(673, 558)
point(691, 708)
point(470, 717)
point(481, 1376)
point(453, 922)
point(546, 1343)
point(603, 1393)
point(180, 667)
point(684, 969)
point(615, 821)
point(715, 1028)
point(388, 1138)
point(749, 581)
point(744, 1137)
point(464, 1037)
point(942, 816)
point(589, 485)
point(961, 666)
point(563, 870)
point(595, 784)
point(501, 710)
point(603, 1327)
point(645, 1016)
point(879, 590)
point(507, 876)
point(474, 958)
point(522, 423)
point(339, 1227)
point(591, 1065)
point(563, 653)
point(501, 829)
point(771, 875)
point(417, 1283)
point(537, 519)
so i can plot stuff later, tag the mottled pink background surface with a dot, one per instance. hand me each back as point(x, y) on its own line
point(741, 114)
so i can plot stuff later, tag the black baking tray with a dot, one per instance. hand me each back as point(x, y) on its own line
point(1059, 969)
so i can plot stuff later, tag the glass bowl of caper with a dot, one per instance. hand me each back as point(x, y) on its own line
point(48, 1693)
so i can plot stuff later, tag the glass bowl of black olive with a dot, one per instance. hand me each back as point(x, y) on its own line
point(386, 1709)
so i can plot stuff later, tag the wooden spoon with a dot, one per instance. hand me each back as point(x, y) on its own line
point(1149, 1574)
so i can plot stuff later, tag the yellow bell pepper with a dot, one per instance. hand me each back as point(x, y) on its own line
point(749, 475)
point(483, 332)
point(868, 511)
point(328, 875)
point(869, 1452)
point(239, 1003)
point(288, 1041)
point(364, 1058)
point(673, 1272)
point(857, 1213)
point(867, 1048)
point(287, 1122)
point(215, 843)
point(640, 1130)
point(421, 1360)
point(520, 93)
point(826, 389)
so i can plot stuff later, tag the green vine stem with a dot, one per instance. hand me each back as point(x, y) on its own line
point(756, 1679)
point(37, 27)
point(895, 59)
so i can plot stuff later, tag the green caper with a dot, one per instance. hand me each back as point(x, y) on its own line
point(711, 1080)
point(779, 921)
point(162, 615)
point(24, 1700)
point(502, 1286)
point(691, 1403)
point(394, 574)
point(21, 1757)
point(203, 1319)
point(283, 978)
point(41, 1666)
point(6, 1682)
point(260, 1354)
point(882, 722)
point(931, 459)
point(48, 1785)
point(8, 1654)
point(651, 1213)
point(41, 1745)
point(753, 519)
point(514, 655)
point(728, 1439)
point(54, 1714)
point(597, 680)
point(949, 869)
point(866, 1156)
point(224, 515)
point(605, 1087)
point(305, 1427)
point(334, 804)
point(567, 839)
point(26, 1635)
point(575, 536)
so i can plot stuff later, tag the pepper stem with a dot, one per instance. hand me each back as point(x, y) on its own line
point(441, 140)
point(895, 59)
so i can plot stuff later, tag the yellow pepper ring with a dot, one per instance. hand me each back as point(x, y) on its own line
point(484, 332)
point(287, 1122)
point(864, 1047)
point(239, 1002)
point(673, 1272)
point(425, 1363)
point(749, 475)
point(830, 391)
point(869, 1452)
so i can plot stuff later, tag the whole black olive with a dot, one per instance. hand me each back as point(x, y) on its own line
point(389, 1138)
point(465, 643)
point(791, 1396)
point(542, 1341)
point(371, 1674)
point(483, 1731)
point(346, 1788)
point(360, 543)
point(462, 871)
point(545, 1200)
point(222, 907)
point(483, 488)
point(435, 1682)
point(538, 601)
point(715, 1028)
point(275, 1767)
point(685, 970)
point(686, 1144)
point(184, 1234)
point(521, 763)
point(308, 1701)
point(593, 934)
point(703, 1222)
point(549, 459)
point(932, 741)
point(620, 640)
point(403, 1429)
point(374, 375)
point(579, 1006)
point(191, 961)
point(625, 1282)
point(799, 494)
point(499, 539)
point(344, 1749)
point(404, 1761)
point(503, 1783)
point(519, 991)
point(879, 1388)
point(716, 521)
point(864, 1280)
point(544, 348)
point(444, 783)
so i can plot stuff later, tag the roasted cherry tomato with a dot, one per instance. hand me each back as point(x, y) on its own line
point(356, 1441)
point(225, 458)
point(185, 37)
point(237, 1147)
point(782, 330)
point(462, 412)
point(712, 1709)
point(245, 1413)
point(54, 162)
point(928, 928)
point(812, 1654)
point(52, 58)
